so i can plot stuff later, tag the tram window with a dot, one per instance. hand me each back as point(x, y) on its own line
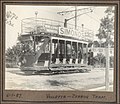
point(80, 48)
point(47, 48)
point(84, 48)
point(28, 47)
point(74, 49)
point(38, 42)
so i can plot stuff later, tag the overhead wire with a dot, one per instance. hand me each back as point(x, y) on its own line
point(93, 18)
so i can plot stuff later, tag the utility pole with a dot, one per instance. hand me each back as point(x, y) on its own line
point(75, 17)
point(36, 13)
point(65, 23)
point(107, 64)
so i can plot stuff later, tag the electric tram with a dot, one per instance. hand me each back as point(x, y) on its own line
point(52, 48)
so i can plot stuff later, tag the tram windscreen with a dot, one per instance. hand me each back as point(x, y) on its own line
point(27, 45)
point(33, 44)
point(42, 44)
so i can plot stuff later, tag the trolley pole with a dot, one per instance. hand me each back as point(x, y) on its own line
point(65, 23)
point(35, 29)
point(36, 13)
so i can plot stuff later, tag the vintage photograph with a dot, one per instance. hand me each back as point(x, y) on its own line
point(59, 48)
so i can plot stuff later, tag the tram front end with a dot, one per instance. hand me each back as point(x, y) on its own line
point(35, 55)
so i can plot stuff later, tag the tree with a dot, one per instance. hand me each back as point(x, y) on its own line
point(96, 44)
point(10, 54)
point(100, 58)
point(21, 48)
point(14, 53)
point(106, 29)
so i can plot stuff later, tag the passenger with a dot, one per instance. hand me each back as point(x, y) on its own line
point(61, 58)
point(53, 58)
point(79, 55)
point(68, 54)
point(73, 56)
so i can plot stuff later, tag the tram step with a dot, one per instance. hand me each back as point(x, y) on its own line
point(67, 65)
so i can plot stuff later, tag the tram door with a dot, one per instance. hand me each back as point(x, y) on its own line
point(42, 47)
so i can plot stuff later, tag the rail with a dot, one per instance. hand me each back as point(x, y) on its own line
point(37, 25)
point(34, 24)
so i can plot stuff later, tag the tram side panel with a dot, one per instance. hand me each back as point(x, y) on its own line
point(61, 54)
point(68, 54)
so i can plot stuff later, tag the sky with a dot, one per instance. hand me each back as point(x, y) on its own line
point(90, 20)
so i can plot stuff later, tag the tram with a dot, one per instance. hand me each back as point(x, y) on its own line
point(52, 49)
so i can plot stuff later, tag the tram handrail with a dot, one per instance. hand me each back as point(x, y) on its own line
point(32, 22)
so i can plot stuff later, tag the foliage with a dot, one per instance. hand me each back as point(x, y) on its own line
point(96, 44)
point(100, 58)
point(14, 52)
point(106, 29)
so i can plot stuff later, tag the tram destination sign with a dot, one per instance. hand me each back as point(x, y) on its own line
point(86, 35)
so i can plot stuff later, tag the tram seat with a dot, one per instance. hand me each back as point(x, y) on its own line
point(76, 62)
point(70, 61)
point(64, 61)
point(46, 63)
point(82, 61)
point(57, 61)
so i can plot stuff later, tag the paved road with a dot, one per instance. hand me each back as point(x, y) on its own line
point(15, 79)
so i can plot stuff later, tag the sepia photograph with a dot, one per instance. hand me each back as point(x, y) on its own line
point(59, 48)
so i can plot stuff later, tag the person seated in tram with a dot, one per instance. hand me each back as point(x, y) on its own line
point(74, 56)
point(53, 58)
point(61, 58)
point(79, 55)
point(61, 55)
point(68, 53)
